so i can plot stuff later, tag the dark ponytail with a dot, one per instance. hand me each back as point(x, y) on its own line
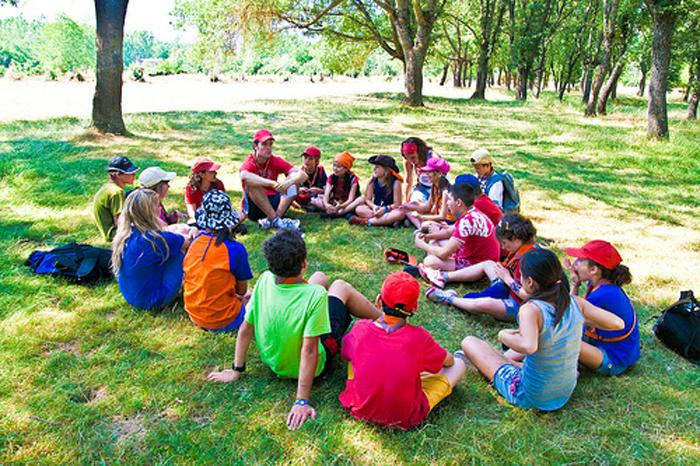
point(543, 266)
point(619, 276)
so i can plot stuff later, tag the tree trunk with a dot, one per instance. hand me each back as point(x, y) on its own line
point(443, 78)
point(586, 84)
point(521, 91)
point(107, 101)
point(657, 114)
point(413, 77)
point(609, 15)
point(642, 82)
point(610, 84)
point(540, 72)
point(468, 72)
point(695, 96)
point(613, 93)
point(457, 66)
point(691, 78)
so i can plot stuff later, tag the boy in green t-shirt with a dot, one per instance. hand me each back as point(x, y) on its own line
point(109, 200)
point(297, 325)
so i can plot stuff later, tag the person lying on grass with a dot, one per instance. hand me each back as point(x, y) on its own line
point(397, 373)
point(216, 267)
point(109, 200)
point(600, 264)
point(265, 200)
point(473, 239)
point(298, 325)
point(310, 196)
point(503, 298)
point(540, 369)
point(342, 193)
point(146, 260)
point(383, 195)
point(422, 214)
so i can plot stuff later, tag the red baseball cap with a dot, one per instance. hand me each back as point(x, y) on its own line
point(204, 164)
point(262, 135)
point(312, 151)
point(400, 291)
point(599, 251)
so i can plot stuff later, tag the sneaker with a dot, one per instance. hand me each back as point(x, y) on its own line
point(459, 354)
point(286, 223)
point(264, 224)
point(437, 295)
point(432, 276)
point(355, 220)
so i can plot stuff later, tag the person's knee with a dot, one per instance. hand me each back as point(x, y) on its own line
point(340, 289)
point(432, 262)
point(470, 343)
point(319, 278)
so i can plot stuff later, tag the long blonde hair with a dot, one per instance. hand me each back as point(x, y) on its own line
point(140, 212)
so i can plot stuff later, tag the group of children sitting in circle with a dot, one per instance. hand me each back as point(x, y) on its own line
point(397, 372)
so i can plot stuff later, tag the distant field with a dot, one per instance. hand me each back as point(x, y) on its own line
point(85, 378)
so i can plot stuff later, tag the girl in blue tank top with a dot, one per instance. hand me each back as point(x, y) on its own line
point(539, 370)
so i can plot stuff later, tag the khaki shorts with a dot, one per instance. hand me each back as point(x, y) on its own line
point(436, 388)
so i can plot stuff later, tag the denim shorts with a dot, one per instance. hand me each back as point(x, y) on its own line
point(254, 212)
point(506, 380)
point(511, 306)
point(608, 367)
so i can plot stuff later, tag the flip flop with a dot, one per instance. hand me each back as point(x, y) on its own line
point(397, 256)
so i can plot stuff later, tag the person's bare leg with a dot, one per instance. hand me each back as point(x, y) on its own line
point(491, 306)
point(486, 359)
point(411, 216)
point(317, 202)
point(468, 274)
point(591, 357)
point(350, 208)
point(257, 195)
point(319, 278)
point(356, 302)
point(435, 262)
point(388, 218)
point(364, 212)
point(286, 202)
point(455, 372)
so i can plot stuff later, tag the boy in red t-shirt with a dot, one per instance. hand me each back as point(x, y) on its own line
point(473, 240)
point(266, 200)
point(397, 373)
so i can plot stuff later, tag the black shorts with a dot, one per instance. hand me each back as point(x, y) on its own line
point(254, 212)
point(340, 322)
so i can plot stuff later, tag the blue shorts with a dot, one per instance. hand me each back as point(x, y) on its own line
point(608, 367)
point(230, 327)
point(499, 290)
point(506, 380)
point(511, 306)
point(254, 212)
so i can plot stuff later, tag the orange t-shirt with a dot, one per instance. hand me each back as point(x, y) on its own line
point(211, 274)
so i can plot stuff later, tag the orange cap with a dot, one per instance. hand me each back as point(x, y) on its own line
point(345, 159)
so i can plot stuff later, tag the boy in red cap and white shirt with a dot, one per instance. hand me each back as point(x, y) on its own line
point(310, 197)
point(266, 200)
point(397, 373)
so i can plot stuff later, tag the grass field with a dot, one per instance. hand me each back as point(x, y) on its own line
point(85, 378)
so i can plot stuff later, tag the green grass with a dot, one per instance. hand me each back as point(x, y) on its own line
point(87, 379)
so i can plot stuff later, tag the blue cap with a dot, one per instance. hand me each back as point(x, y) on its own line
point(467, 178)
point(121, 164)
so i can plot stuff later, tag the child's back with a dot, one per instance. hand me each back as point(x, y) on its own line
point(549, 374)
point(107, 204)
point(384, 380)
point(211, 272)
point(478, 236)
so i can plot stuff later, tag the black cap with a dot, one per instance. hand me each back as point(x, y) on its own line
point(384, 161)
point(121, 164)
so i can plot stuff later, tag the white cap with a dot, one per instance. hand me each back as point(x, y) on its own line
point(154, 175)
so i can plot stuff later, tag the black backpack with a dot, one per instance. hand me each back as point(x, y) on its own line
point(679, 327)
point(80, 263)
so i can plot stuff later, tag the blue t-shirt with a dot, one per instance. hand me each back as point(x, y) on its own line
point(151, 278)
point(613, 299)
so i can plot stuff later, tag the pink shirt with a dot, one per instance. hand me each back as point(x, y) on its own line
point(386, 385)
point(275, 166)
point(478, 237)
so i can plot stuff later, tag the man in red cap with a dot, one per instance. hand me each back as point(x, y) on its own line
point(397, 373)
point(266, 200)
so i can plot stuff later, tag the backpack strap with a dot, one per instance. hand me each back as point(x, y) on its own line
point(591, 333)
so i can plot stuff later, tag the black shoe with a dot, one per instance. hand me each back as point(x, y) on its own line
point(412, 270)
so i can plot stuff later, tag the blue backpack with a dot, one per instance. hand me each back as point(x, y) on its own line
point(511, 196)
point(80, 263)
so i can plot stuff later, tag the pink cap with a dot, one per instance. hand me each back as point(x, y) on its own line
point(436, 164)
point(204, 164)
point(312, 151)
